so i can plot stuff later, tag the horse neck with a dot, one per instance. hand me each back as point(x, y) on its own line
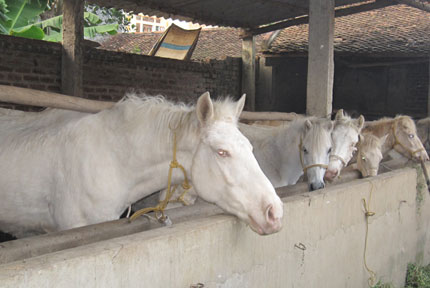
point(148, 172)
point(287, 142)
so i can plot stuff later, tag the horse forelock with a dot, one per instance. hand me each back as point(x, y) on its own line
point(407, 122)
point(348, 122)
point(319, 134)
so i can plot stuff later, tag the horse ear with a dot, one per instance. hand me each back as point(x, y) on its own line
point(240, 105)
point(383, 139)
point(360, 122)
point(339, 114)
point(330, 125)
point(308, 124)
point(205, 108)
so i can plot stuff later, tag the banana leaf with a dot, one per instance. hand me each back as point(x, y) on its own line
point(88, 32)
point(31, 32)
point(21, 13)
point(57, 21)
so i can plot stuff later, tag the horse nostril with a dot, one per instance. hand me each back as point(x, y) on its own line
point(270, 214)
point(316, 186)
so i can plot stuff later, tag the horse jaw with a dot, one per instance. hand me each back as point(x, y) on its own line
point(225, 172)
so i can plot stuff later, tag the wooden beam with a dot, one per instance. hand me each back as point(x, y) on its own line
point(72, 52)
point(339, 12)
point(382, 64)
point(25, 96)
point(269, 116)
point(248, 71)
point(419, 4)
point(320, 61)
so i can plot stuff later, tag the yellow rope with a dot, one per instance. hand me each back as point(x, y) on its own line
point(368, 213)
point(305, 168)
point(159, 209)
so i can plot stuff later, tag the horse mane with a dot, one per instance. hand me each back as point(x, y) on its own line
point(379, 127)
point(424, 121)
point(346, 120)
point(139, 110)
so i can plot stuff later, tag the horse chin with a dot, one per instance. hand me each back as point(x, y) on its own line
point(255, 227)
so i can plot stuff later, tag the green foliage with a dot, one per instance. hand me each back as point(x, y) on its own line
point(21, 18)
point(17, 16)
point(136, 50)
point(3, 7)
point(110, 16)
point(418, 276)
point(382, 285)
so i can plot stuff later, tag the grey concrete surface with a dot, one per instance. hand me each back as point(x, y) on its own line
point(320, 245)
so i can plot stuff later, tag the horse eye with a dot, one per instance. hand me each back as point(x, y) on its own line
point(223, 153)
point(329, 151)
point(305, 150)
point(411, 136)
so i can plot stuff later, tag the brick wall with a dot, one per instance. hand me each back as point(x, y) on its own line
point(30, 64)
point(108, 75)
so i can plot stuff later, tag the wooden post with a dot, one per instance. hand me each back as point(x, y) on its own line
point(320, 62)
point(428, 98)
point(248, 71)
point(264, 96)
point(72, 58)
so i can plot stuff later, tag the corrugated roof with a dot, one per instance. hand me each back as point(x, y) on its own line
point(237, 13)
point(391, 31)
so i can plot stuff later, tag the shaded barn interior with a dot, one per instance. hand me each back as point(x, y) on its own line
point(381, 65)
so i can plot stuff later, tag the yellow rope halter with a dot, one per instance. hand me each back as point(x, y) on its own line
point(305, 168)
point(397, 142)
point(367, 214)
point(337, 157)
point(159, 209)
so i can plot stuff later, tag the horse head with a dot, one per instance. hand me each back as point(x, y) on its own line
point(315, 147)
point(345, 137)
point(369, 154)
point(224, 170)
point(406, 140)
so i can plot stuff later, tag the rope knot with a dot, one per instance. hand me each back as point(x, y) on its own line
point(186, 186)
point(174, 164)
point(369, 213)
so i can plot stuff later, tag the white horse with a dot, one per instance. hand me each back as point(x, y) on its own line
point(286, 153)
point(283, 152)
point(63, 169)
point(345, 136)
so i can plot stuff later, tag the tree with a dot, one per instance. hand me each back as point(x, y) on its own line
point(16, 15)
point(110, 16)
point(24, 18)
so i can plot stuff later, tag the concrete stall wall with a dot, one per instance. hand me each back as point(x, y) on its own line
point(377, 91)
point(321, 245)
point(108, 75)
